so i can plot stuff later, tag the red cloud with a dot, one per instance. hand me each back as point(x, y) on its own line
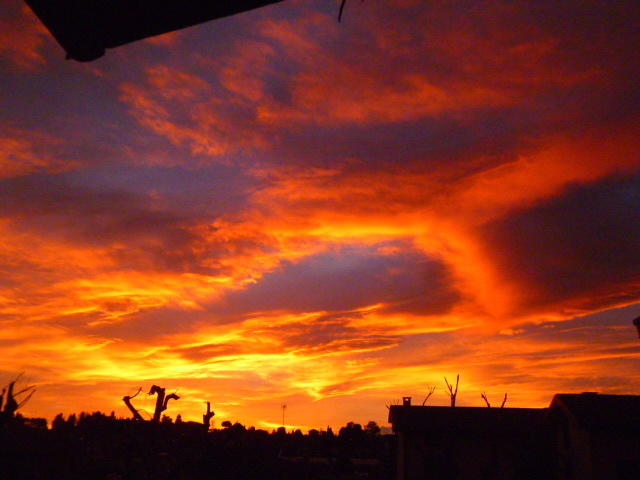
point(24, 152)
point(21, 36)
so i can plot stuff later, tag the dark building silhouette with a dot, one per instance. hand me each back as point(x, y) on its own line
point(579, 437)
point(471, 443)
point(597, 436)
point(85, 29)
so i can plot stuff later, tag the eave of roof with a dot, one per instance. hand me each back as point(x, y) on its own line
point(85, 29)
point(480, 419)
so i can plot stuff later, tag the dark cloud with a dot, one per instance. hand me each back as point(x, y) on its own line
point(203, 190)
point(579, 248)
point(147, 222)
point(99, 218)
point(347, 278)
point(141, 325)
point(330, 333)
point(126, 222)
point(344, 388)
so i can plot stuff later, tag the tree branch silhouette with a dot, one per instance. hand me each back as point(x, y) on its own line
point(431, 390)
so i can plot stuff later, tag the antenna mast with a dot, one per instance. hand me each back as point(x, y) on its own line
point(283, 407)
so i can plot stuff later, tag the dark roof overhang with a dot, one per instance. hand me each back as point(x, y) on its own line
point(86, 28)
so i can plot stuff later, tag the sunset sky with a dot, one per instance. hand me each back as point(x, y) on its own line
point(279, 208)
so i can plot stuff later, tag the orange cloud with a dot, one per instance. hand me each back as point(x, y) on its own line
point(558, 162)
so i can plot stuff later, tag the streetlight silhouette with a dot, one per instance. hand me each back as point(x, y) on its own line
point(284, 407)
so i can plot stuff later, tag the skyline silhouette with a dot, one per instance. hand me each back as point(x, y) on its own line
point(440, 442)
point(278, 208)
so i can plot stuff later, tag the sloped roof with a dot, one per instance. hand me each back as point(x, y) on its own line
point(86, 28)
point(595, 411)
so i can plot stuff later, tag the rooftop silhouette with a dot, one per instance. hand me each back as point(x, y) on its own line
point(86, 29)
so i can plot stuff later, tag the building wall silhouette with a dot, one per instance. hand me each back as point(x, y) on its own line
point(579, 437)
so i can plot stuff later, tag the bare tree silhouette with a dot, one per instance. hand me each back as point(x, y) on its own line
point(11, 400)
point(431, 390)
point(453, 393)
point(206, 417)
point(10, 403)
point(393, 402)
point(127, 401)
point(486, 400)
point(161, 401)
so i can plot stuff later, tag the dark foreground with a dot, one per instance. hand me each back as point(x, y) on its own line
point(97, 446)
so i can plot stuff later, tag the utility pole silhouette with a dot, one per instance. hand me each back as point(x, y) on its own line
point(284, 407)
